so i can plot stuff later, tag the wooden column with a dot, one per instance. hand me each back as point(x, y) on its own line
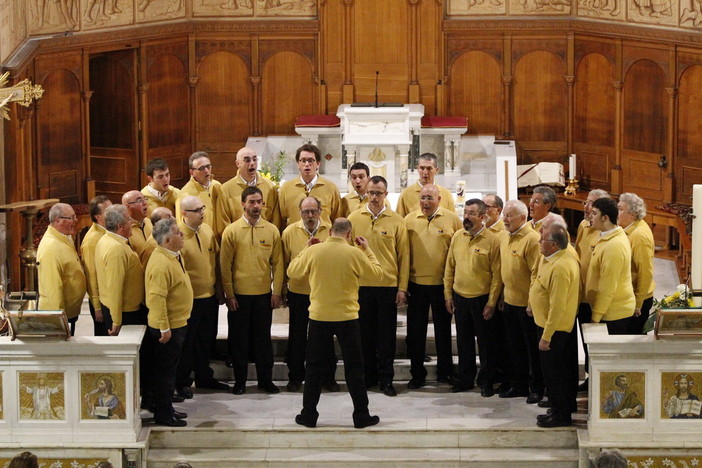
point(257, 108)
point(348, 91)
point(671, 144)
point(413, 91)
point(193, 78)
point(616, 176)
point(570, 82)
point(143, 89)
point(507, 88)
point(86, 94)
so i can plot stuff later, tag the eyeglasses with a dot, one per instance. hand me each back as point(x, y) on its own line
point(489, 207)
point(135, 202)
point(587, 203)
point(70, 218)
point(375, 193)
point(197, 210)
point(307, 160)
point(309, 212)
point(204, 168)
point(427, 198)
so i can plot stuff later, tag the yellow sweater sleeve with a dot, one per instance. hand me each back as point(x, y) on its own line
point(227, 253)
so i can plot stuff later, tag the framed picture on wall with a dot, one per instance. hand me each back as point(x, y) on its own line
point(38, 323)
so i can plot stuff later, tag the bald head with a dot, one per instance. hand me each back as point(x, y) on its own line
point(429, 199)
point(341, 228)
point(160, 213)
point(136, 204)
point(193, 211)
point(247, 163)
point(553, 219)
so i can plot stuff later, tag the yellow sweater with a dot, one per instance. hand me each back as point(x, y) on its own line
point(642, 249)
point(585, 243)
point(519, 254)
point(153, 202)
point(409, 199)
point(473, 266)
point(553, 295)
point(334, 268)
point(199, 253)
point(608, 287)
point(87, 255)
point(208, 196)
point(120, 276)
point(387, 237)
point(250, 258)
point(139, 235)
point(149, 248)
point(169, 295)
point(294, 190)
point(294, 240)
point(229, 202)
point(429, 242)
point(60, 274)
point(498, 227)
point(352, 201)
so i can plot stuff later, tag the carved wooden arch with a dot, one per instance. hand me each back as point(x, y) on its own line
point(458, 47)
point(496, 56)
point(556, 47)
point(683, 64)
point(239, 48)
point(178, 50)
point(609, 60)
point(303, 47)
point(629, 64)
point(75, 72)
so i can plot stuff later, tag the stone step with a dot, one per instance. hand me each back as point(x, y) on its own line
point(374, 438)
point(387, 457)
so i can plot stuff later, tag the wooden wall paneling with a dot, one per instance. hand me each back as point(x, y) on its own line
point(689, 132)
point(224, 97)
point(168, 107)
point(113, 145)
point(476, 92)
point(540, 103)
point(59, 167)
point(288, 90)
point(413, 52)
point(333, 50)
point(429, 46)
point(377, 23)
point(570, 83)
point(348, 88)
point(595, 165)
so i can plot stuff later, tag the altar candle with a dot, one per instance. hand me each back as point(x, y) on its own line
point(572, 173)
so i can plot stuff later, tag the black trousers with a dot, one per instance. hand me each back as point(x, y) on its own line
point(98, 327)
point(146, 351)
point(72, 323)
point(469, 325)
point(618, 327)
point(560, 368)
point(298, 306)
point(378, 319)
point(584, 316)
point(421, 297)
point(250, 337)
point(166, 357)
point(320, 346)
point(523, 344)
point(637, 323)
point(195, 358)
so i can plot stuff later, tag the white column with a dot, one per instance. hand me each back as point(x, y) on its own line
point(404, 158)
point(350, 161)
point(448, 155)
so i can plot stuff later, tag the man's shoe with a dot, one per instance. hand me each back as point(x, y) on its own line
point(215, 385)
point(414, 384)
point(503, 388)
point(293, 386)
point(387, 390)
point(300, 419)
point(371, 383)
point(171, 422)
point(552, 422)
point(534, 397)
point(447, 379)
point(332, 387)
point(487, 391)
point(239, 389)
point(543, 417)
point(176, 398)
point(584, 387)
point(228, 362)
point(269, 387)
point(186, 393)
point(427, 358)
point(461, 388)
point(180, 415)
point(514, 393)
point(544, 404)
point(370, 421)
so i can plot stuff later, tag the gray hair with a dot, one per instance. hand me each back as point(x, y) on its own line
point(559, 235)
point(56, 211)
point(429, 157)
point(197, 155)
point(115, 216)
point(548, 194)
point(553, 219)
point(599, 193)
point(518, 205)
point(610, 458)
point(162, 230)
point(634, 204)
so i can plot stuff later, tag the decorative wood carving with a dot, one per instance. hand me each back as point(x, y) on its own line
point(242, 48)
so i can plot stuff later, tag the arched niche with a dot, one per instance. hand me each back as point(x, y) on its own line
point(688, 170)
point(287, 91)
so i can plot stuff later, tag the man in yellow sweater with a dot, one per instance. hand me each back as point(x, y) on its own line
point(229, 201)
point(159, 191)
point(333, 269)
point(427, 167)
point(553, 298)
point(199, 252)
point(251, 257)
point(387, 236)
point(169, 297)
point(359, 175)
point(542, 202)
point(632, 211)
point(585, 242)
point(472, 285)
point(493, 220)
point(519, 256)
point(309, 184)
point(295, 238)
point(141, 225)
point(608, 287)
point(60, 273)
point(202, 185)
point(96, 207)
point(157, 215)
point(429, 231)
